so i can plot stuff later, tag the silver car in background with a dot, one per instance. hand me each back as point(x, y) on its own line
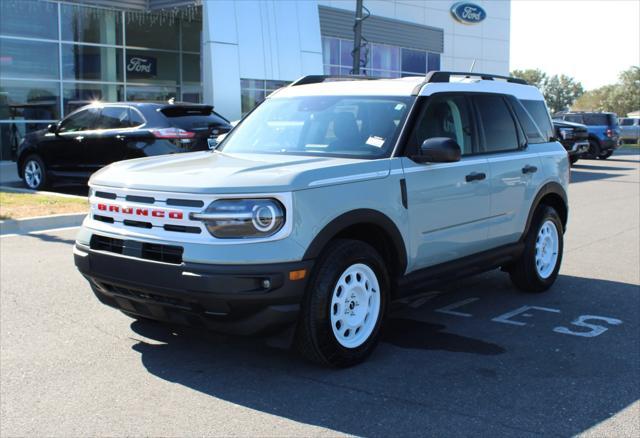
point(629, 130)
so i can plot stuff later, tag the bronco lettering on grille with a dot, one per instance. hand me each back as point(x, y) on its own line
point(140, 211)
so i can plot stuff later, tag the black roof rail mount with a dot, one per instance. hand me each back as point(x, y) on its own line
point(316, 79)
point(445, 76)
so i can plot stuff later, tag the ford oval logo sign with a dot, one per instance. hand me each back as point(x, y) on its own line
point(468, 13)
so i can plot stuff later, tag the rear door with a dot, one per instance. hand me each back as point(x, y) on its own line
point(109, 144)
point(448, 203)
point(516, 172)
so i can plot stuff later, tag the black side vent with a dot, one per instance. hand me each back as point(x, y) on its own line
point(109, 244)
point(182, 229)
point(140, 199)
point(162, 253)
point(185, 203)
point(100, 218)
point(138, 224)
point(106, 195)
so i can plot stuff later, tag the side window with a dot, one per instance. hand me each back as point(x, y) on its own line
point(113, 117)
point(538, 111)
point(575, 118)
point(135, 119)
point(81, 121)
point(497, 127)
point(445, 116)
point(531, 130)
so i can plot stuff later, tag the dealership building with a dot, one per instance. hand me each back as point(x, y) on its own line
point(56, 56)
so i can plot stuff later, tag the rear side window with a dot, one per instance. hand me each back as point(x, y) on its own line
point(596, 119)
point(538, 111)
point(575, 118)
point(531, 130)
point(193, 118)
point(113, 117)
point(135, 119)
point(497, 127)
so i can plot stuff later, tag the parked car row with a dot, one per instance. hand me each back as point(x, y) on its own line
point(100, 134)
point(603, 131)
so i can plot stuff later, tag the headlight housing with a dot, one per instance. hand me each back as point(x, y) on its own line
point(566, 133)
point(242, 218)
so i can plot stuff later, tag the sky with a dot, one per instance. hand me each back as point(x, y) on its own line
point(589, 40)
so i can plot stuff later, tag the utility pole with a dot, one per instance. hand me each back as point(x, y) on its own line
point(357, 39)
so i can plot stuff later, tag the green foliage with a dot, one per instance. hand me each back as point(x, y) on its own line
point(620, 98)
point(559, 91)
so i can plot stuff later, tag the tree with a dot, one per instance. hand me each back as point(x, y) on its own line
point(620, 98)
point(561, 92)
point(532, 76)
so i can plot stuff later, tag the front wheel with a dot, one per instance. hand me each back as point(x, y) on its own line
point(34, 172)
point(344, 305)
point(594, 148)
point(538, 266)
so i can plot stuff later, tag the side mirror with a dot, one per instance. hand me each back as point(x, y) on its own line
point(53, 128)
point(438, 150)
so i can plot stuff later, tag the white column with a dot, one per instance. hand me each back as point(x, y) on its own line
point(220, 58)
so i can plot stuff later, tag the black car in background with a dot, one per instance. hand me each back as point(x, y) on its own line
point(574, 137)
point(604, 131)
point(100, 134)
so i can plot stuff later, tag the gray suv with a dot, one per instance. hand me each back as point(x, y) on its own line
point(331, 199)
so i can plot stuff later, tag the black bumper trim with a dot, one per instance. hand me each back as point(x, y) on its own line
point(241, 299)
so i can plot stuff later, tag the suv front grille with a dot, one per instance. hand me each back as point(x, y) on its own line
point(148, 251)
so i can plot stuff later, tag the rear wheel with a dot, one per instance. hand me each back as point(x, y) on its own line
point(605, 154)
point(538, 266)
point(594, 148)
point(344, 305)
point(34, 172)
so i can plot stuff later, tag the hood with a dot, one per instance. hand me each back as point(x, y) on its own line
point(220, 173)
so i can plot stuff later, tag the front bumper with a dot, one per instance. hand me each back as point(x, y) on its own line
point(577, 148)
point(238, 299)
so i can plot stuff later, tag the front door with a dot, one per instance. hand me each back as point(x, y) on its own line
point(448, 203)
point(65, 148)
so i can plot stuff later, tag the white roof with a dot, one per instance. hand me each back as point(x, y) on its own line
point(406, 87)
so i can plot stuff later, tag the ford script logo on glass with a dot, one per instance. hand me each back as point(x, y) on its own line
point(468, 13)
point(140, 66)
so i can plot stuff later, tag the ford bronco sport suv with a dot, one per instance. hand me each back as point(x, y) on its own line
point(328, 201)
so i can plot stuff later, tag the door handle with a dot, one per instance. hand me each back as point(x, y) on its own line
point(120, 137)
point(475, 176)
point(79, 138)
point(529, 169)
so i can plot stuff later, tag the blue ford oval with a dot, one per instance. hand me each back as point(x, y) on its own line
point(468, 13)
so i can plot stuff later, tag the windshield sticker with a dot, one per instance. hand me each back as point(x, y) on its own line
point(399, 106)
point(375, 141)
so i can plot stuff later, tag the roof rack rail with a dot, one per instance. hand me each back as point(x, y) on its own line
point(445, 76)
point(316, 79)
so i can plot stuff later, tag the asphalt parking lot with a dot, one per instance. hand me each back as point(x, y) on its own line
point(475, 358)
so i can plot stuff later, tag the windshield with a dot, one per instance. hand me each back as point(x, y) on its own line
point(342, 126)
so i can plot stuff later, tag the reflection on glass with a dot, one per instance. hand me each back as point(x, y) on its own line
point(155, 31)
point(385, 57)
point(90, 25)
point(90, 63)
point(192, 93)
point(414, 61)
point(190, 68)
point(12, 133)
point(29, 100)
point(78, 95)
point(433, 61)
point(251, 98)
point(191, 31)
point(331, 50)
point(28, 59)
point(151, 93)
point(29, 18)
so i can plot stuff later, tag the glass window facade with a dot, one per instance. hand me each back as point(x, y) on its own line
point(56, 57)
point(254, 91)
point(379, 60)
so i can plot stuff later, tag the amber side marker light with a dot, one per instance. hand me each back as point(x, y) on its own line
point(297, 275)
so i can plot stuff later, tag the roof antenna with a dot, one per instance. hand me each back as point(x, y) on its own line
point(473, 64)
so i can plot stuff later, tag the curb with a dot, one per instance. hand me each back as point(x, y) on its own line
point(41, 223)
point(36, 192)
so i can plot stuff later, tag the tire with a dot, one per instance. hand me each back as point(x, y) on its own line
point(606, 154)
point(594, 148)
point(574, 159)
point(336, 328)
point(538, 266)
point(34, 173)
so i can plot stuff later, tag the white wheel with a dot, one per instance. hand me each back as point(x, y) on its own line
point(547, 245)
point(355, 305)
point(33, 174)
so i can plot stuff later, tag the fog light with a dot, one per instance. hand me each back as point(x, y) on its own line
point(266, 284)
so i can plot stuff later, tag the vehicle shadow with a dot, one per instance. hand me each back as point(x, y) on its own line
point(578, 175)
point(580, 166)
point(432, 374)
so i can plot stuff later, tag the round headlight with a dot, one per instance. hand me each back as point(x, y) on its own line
point(242, 218)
